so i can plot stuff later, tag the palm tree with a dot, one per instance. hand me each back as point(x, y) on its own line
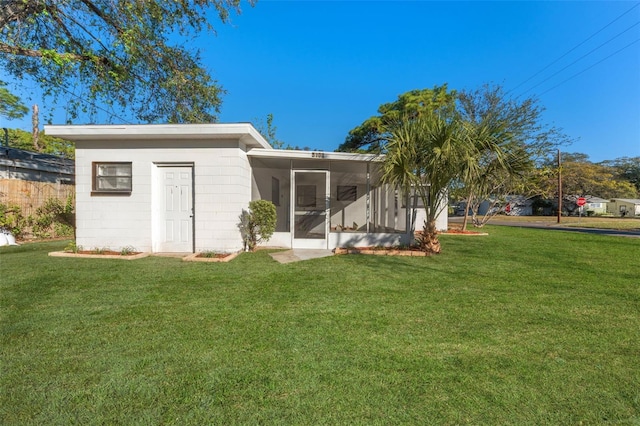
point(424, 154)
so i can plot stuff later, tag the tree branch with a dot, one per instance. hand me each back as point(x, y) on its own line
point(34, 53)
point(92, 7)
point(17, 10)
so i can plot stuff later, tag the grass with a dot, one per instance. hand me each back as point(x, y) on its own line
point(627, 223)
point(524, 326)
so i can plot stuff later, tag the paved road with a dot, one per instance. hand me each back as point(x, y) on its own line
point(556, 227)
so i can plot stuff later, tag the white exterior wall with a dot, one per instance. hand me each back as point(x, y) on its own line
point(112, 221)
point(221, 190)
point(442, 220)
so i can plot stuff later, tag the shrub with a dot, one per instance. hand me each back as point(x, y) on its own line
point(12, 220)
point(62, 230)
point(210, 254)
point(258, 224)
point(72, 247)
point(54, 218)
point(126, 251)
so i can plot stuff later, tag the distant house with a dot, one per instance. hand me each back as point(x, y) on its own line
point(595, 205)
point(28, 179)
point(512, 205)
point(624, 207)
point(34, 166)
point(518, 205)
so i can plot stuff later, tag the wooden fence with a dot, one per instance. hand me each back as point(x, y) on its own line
point(29, 195)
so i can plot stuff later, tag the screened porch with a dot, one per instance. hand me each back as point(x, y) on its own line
point(333, 201)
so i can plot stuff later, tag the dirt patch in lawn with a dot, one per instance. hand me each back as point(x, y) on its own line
point(462, 232)
point(382, 251)
point(456, 229)
point(106, 254)
point(210, 257)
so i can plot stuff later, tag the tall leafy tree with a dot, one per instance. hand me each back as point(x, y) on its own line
point(626, 168)
point(372, 135)
point(121, 53)
point(583, 178)
point(424, 154)
point(509, 135)
point(580, 179)
point(11, 106)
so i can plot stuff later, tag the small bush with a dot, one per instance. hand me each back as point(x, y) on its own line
point(258, 224)
point(72, 247)
point(209, 254)
point(12, 220)
point(125, 251)
point(54, 218)
point(62, 230)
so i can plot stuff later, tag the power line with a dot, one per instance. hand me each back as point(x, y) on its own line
point(588, 68)
point(32, 86)
point(574, 48)
point(580, 58)
point(93, 104)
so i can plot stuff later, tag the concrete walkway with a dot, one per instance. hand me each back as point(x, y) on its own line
point(297, 255)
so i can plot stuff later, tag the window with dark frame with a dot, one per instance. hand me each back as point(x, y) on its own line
point(347, 193)
point(112, 178)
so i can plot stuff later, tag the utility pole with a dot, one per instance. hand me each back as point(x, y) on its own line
point(36, 131)
point(559, 187)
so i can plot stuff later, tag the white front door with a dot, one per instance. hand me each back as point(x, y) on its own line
point(176, 209)
point(310, 209)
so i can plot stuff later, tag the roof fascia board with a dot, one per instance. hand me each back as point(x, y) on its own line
point(244, 132)
point(314, 155)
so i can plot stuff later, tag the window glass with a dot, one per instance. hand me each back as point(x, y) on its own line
point(112, 177)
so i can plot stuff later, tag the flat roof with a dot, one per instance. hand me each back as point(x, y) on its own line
point(245, 132)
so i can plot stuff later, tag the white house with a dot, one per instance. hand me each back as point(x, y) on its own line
point(595, 205)
point(182, 188)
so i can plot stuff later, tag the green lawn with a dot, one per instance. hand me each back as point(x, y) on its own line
point(524, 326)
point(627, 223)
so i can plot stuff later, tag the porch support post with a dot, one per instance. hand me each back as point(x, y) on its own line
point(292, 192)
point(368, 198)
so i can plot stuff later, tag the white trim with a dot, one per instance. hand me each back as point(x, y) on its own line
point(365, 239)
point(244, 132)
point(314, 155)
point(308, 242)
point(157, 206)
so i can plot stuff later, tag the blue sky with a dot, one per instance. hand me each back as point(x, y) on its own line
point(323, 67)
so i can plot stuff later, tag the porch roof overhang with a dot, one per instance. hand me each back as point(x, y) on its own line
point(314, 155)
point(244, 132)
